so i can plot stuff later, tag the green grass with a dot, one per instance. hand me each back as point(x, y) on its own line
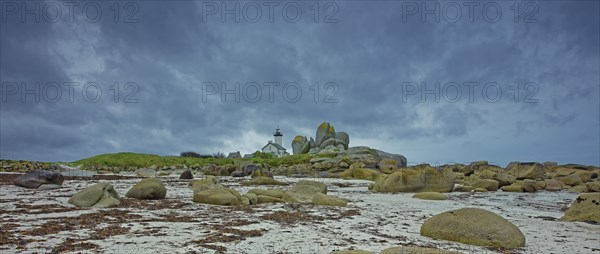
point(147, 160)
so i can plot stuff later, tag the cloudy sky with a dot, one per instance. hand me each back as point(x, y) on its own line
point(456, 82)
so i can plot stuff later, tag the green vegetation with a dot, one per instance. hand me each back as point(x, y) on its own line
point(147, 160)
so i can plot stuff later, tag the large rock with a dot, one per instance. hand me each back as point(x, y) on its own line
point(149, 188)
point(300, 145)
point(187, 174)
point(218, 196)
point(474, 167)
point(400, 159)
point(304, 191)
point(526, 170)
point(514, 187)
point(474, 226)
point(324, 199)
point(209, 182)
point(37, 178)
point(343, 136)
point(552, 185)
point(97, 195)
point(570, 180)
point(585, 208)
point(419, 178)
point(495, 173)
point(488, 184)
point(324, 131)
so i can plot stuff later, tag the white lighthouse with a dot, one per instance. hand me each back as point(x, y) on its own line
point(278, 137)
point(275, 148)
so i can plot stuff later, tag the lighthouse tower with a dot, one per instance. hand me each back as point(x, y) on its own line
point(278, 136)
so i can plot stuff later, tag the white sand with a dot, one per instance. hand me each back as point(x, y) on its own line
point(386, 220)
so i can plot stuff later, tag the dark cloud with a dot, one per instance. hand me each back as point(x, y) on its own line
point(369, 54)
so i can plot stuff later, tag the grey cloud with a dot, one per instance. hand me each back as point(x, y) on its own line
point(368, 54)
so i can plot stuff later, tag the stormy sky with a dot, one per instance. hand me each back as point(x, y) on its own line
point(441, 82)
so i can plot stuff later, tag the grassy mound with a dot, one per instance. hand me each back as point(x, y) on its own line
point(147, 160)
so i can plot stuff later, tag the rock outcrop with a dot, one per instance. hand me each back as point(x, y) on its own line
point(325, 138)
point(420, 178)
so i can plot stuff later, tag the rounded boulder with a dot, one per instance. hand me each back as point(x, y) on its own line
point(474, 226)
point(149, 188)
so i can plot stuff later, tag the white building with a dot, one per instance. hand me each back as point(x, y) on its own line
point(275, 148)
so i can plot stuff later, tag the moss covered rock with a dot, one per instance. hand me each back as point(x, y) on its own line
point(149, 188)
point(324, 199)
point(585, 208)
point(300, 145)
point(488, 184)
point(474, 226)
point(97, 195)
point(218, 196)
